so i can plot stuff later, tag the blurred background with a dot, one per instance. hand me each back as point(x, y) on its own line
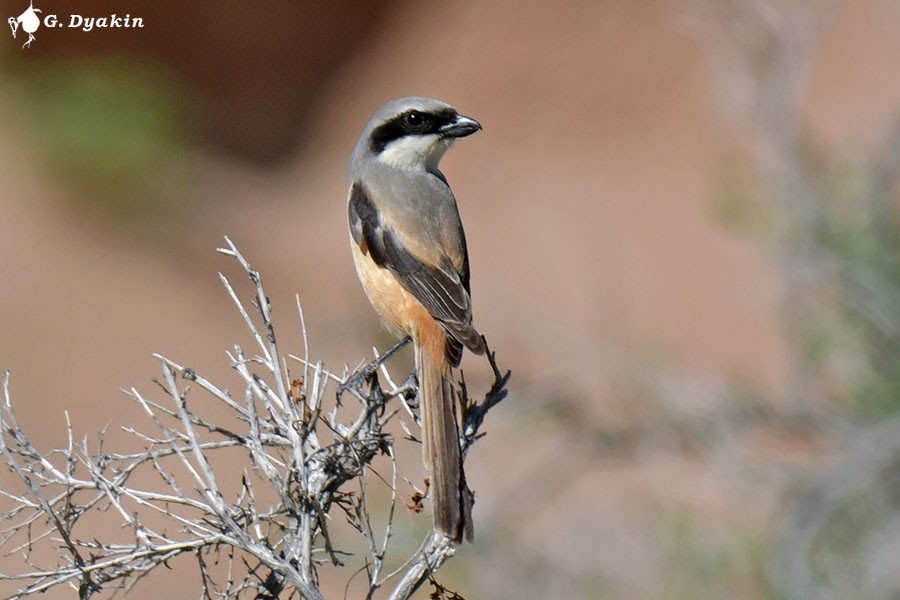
point(684, 232)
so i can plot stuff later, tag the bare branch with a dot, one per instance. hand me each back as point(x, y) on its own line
point(265, 527)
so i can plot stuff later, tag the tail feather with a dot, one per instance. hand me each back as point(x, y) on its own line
point(441, 454)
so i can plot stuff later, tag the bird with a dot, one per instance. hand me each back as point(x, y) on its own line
point(409, 249)
point(29, 22)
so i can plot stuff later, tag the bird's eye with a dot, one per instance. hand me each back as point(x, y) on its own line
point(415, 119)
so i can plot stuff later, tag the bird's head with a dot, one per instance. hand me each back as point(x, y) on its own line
point(412, 133)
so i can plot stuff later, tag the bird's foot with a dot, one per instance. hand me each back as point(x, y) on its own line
point(409, 391)
point(367, 372)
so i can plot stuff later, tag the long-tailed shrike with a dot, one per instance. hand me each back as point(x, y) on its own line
point(410, 254)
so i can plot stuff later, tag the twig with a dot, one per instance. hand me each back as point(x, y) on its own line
point(299, 452)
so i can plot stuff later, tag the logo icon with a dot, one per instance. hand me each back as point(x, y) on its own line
point(28, 21)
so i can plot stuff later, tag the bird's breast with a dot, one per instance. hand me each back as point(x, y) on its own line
point(398, 309)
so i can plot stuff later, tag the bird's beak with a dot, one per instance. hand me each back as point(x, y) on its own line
point(460, 127)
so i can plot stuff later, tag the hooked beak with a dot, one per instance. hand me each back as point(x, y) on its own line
point(460, 127)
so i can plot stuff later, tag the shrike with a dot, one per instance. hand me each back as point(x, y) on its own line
point(410, 254)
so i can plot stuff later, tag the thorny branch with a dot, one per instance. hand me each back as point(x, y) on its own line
point(263, 527)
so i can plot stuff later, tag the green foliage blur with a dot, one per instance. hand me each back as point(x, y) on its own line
point(858, 230)
point(113, 130)
point(847, 243)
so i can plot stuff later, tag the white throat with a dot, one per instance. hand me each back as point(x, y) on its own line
point(415, 152)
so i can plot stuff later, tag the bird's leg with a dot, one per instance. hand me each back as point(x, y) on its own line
point(394, 350)
point(28, 43)
point(369, 370)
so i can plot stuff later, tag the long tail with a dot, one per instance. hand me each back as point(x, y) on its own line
point(451, 497)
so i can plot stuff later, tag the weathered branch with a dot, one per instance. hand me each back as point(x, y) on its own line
point(307, 453)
